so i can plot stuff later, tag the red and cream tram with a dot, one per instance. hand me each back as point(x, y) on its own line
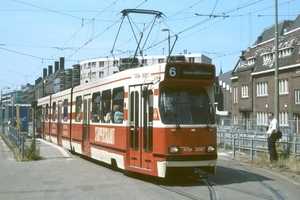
point(150, 120)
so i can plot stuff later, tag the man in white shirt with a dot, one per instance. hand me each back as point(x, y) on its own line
point(272, 128)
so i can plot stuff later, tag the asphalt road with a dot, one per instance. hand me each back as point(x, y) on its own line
point(60, 175)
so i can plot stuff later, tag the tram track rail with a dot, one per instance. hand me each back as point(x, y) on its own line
point(197, 178)
point(260, 187)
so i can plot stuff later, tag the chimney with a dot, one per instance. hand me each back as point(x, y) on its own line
point(44, 73)
point(50, 68)
point(38, 80)
point(62, 63)
point(56, 66)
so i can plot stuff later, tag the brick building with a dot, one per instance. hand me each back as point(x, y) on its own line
point(253, 78)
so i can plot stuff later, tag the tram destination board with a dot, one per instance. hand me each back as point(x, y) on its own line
point(190, 71)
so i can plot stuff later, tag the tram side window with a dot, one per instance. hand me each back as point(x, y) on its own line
point(46, 113)
point(96, 107)
point(65, 110)
point(118, 102)
point(78, 109)
point(53, 111)
point(106, 106)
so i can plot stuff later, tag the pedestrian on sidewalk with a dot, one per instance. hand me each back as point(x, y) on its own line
point(271, 130)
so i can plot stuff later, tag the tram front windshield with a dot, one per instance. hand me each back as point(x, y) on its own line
point(185, 105)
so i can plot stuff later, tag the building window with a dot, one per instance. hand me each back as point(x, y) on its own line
point(93, 64)
point(245, 91)
point(284, 86)
point(268, 59)
point(217, 89)
point(144, 62)
point(285, 52)
point(101, 74)
point(262, 89)
point(235, 95)
point(93, 75)
point(283, 118)
point(297, 96)
point(262, 118)
point(101, 64)
point(191, 59)
point(160, 60)
point(268, 56)
point(251, 61)
point(116, 62)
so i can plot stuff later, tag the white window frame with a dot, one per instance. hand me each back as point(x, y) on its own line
point(283, 86)
point(262, 118)
point(245, 91)
point(297, 96)
point(262, 89)
point(283, 118)
point(101, 64)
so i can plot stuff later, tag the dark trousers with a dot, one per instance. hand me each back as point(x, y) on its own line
point(272, 149)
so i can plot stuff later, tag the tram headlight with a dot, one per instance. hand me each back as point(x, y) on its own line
point(210, 148)
point(173, 149)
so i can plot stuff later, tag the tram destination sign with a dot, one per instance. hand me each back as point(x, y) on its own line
point(190, 71)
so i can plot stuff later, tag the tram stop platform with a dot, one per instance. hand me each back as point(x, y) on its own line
point(50, 151)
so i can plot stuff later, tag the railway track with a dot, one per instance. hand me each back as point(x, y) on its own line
point(193, 187)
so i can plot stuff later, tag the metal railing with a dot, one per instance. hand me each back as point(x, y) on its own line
point(17, 138)
point(247, 135)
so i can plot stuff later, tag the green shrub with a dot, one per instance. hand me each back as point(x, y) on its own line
point(32, 152)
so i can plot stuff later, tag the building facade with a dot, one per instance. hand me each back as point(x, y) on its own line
point(253, 78)
point(91, 70)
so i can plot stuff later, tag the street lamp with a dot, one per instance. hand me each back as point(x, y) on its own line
point(4, 88)
point(166, 29)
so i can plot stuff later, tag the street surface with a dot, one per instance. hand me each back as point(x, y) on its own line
point(60, 175)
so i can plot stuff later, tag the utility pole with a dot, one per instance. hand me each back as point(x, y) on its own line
point(276, 98)
point(33, 105)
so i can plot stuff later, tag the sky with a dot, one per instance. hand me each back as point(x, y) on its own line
point(36, 33)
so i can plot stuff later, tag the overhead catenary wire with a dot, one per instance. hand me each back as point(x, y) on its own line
point(185, 31)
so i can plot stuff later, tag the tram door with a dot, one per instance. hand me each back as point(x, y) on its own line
point(140, 117)
point(86, 125)
point(59, 128)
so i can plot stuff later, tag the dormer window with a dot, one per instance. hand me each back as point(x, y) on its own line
point(287, 51)
point(251, 61)
point(268, 56)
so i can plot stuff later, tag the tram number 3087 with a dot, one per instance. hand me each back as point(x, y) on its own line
point(197, 149)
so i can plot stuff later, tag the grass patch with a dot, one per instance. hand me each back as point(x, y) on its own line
point(32, 152)
point(285, 162)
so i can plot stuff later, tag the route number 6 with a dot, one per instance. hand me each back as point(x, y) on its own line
point(172, 72)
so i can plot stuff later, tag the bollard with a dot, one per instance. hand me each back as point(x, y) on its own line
point(251, 147)
point(255, 145)
point(233, 148)
point(294, 143)
point(224, 139)
point(239, 140)
point(22, 146)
